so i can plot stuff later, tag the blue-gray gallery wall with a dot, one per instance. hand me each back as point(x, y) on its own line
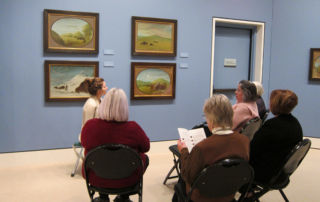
point(296, 29)
point(27, 122)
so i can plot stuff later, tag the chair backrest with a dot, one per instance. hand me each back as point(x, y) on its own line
point(223, 178)
point(265, 116)
point(251, 127)
point(294, 159)
point(296, 156)
point(203, 125)
point(113, 161)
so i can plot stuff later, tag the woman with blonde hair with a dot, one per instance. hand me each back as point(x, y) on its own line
point(223, 143)
point(113, 127)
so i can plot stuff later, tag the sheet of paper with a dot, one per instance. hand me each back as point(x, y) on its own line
point(183, 133)
point(197, 135)
point(191, 137)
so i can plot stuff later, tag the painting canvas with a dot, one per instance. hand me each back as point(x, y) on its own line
point(153, 80)
point(63, 79)
point(314, 70)
point(72, 32)
point(154, 36)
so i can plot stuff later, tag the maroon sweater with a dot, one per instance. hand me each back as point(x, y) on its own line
point(98, 132)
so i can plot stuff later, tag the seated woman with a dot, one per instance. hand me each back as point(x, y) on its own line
point(260, 103)
point(113, 126)
point(223, 143)
point(97, 88)
point(275, 139)
point(246, 107)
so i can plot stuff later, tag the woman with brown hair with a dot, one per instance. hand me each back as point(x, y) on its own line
point(275, 139)
point(96, 87)
point(246, 107)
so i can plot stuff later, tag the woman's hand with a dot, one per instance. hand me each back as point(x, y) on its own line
point(181, 145)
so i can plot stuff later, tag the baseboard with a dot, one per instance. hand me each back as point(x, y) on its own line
point(315, 142)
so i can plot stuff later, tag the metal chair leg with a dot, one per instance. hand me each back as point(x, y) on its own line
point(79, 156)
point(174, 167)
point(283, 195)
point(168, 175)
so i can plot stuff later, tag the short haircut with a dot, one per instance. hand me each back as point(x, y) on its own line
point(259, 87)
point(282, 101)
point(114, 106)
point(218, 109)
point(94, 85)
point(249, 91)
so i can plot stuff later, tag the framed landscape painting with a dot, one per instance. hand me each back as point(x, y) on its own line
point(314, 69)
point(63, 79)
point(70, 32)
point(153, 36)
point(153, 80)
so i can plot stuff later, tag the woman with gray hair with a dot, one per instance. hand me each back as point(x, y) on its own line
point(223, 143)
point(113, 126)
point(246, 107)
point(260, 103)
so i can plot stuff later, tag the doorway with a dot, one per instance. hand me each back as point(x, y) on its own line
point(237, 53)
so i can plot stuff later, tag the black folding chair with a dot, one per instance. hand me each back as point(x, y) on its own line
point(265, 116)
point(221, 179)
point(282, 178)
point(114, 161)
point(251, 127)
point(176, 153)
point(176, 161)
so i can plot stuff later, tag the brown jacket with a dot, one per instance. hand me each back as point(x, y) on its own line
point(209, 151)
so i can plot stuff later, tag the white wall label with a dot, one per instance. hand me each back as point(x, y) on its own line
point(184, 66)
point(108, 52)
point(230, 62)
point(184, 55)
point(108, 64)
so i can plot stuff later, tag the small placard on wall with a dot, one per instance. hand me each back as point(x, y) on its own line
point(108, 52)
point(230, 62)
point(184, 55)
point(184, 66)
point(108, 64)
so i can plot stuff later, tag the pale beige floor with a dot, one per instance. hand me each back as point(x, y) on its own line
point(44, 176)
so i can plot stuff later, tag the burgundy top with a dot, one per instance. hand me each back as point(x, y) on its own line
point(98, 132)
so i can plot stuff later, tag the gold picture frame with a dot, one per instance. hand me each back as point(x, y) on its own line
point(314, 68)
point(63, 79)
point(153, 36)
point(70, 32)
point(153, 80)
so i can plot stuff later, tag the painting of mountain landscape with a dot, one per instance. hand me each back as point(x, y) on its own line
point(70, 32)
point(64, 78)
point(152, 80)
point(154, 36)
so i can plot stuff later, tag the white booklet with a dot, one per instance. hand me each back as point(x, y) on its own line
point(191, 137)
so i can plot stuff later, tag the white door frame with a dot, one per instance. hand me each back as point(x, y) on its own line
point(258, 45)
